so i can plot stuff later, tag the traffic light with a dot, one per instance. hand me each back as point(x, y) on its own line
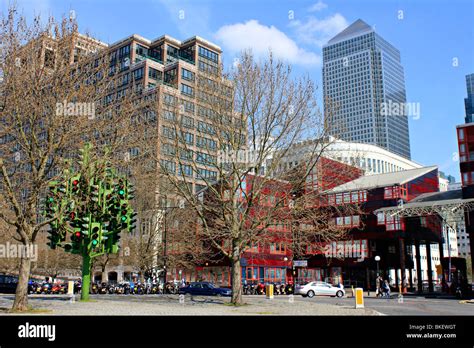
point(63, 187)
point(132, 221)
point(84, 155)
point(54, 238)
point(52, 200)
point(105, 232)
point(86, 225)
point(75, 184)
point(95, 190)
point(123, 213)
point(130, 191)
point(95, 235)
point(121, 188)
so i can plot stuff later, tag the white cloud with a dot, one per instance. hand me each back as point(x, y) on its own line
point(318, 6)
point(191, 18)
point(318, 31)
point(260, 38)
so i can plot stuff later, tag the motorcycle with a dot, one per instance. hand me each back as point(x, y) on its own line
point(276, 288)
point(111, 289)
point(139, 289)
point(282, 289)
point(169, 288)
point(94, 288)
point(260, 289)
point(161, 288)
point(126, 288)
point(289, 289)
point(34, 288)
point(246, 289)
point(253, 289)
point(154, 288)
point(58, 289)
point(103, 288)
point(46, 288)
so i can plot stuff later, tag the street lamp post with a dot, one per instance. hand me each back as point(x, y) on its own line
point(377, 259)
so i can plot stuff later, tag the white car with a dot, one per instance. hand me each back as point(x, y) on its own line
point(319, 288)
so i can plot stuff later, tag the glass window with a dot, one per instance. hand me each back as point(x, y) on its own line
point(187, 75)
point(208, 54)
point(155, 74)
point(138, 74)
point(187, 90)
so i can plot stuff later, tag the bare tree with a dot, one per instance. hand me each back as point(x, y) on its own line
point(247, 124)
point(58, 90)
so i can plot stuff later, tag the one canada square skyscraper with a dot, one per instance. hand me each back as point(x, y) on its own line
point(364, 89)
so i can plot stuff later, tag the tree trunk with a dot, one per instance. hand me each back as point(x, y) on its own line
point(236, 282)
point(86, 277)
point(21, 297)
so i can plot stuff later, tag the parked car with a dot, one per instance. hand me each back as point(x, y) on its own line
point(8, 284)
point(312, 289)
point(204, 289)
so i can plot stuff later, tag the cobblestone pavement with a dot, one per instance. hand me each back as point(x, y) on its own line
point(170, 305)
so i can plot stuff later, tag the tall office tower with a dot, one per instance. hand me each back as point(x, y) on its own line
point(469, 101)
point(364, 89)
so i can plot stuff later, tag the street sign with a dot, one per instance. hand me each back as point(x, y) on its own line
point(300, 263)
point(359, 298)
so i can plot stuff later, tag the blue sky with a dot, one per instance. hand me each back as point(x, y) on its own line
point(432, 37)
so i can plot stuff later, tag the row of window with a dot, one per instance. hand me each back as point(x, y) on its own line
point(187, 75)
point(347, 197)
point(392, 223)
point(187, 90)
point(392, 192)
point(347, 221)
point(208, 54)
point(187, 170)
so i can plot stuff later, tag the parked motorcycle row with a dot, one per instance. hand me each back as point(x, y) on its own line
point(138, 288)
point(134, 288)
point(35, 287)
point(260, 289)
point(46, 288)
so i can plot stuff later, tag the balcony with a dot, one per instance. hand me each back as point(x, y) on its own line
point(141, 57)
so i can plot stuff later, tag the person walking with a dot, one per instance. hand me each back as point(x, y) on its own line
point(386, 289)
point(378, 286)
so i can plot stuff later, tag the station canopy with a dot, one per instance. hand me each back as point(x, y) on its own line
point(449, 205)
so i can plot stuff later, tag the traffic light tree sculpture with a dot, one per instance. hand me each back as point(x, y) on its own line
point(90, 209)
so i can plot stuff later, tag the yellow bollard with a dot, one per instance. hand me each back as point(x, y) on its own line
point(359, 298)
point(269, 291)
point(70, 288)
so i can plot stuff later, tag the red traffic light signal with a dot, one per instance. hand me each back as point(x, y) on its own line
point(75, 185)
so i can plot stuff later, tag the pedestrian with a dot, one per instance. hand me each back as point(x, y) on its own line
point(386, 288)
point(378, 286)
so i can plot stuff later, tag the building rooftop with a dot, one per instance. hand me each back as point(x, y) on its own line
point(383, 180)
point(169, 39)
point(357, 28)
